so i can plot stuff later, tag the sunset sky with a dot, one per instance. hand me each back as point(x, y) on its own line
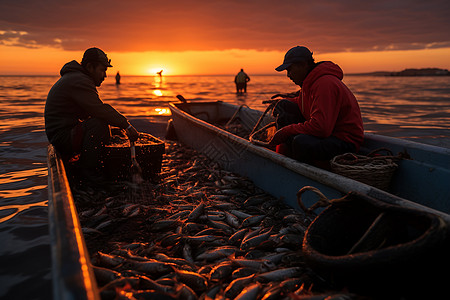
point(220, 37)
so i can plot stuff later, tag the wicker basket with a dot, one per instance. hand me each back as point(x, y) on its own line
point(376, 171)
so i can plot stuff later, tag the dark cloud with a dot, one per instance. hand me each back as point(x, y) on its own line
point(181, 25)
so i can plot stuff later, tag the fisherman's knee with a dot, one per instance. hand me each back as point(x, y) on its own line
point(304, 147)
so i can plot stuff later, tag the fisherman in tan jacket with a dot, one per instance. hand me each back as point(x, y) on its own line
point(76, 119)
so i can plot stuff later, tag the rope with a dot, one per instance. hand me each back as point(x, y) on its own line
point(234, 115)
point(323, 201)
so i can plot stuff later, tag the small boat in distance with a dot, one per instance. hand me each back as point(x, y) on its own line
point(420, 182)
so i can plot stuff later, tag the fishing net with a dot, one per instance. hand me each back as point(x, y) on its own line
point(262, 136)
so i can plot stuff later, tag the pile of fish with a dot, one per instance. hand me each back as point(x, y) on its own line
point(199, 232)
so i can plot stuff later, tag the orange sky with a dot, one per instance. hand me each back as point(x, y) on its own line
point(220, 37)
point(48, 61)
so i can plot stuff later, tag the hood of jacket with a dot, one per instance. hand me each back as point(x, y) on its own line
point(322, 69)
point(73, 66)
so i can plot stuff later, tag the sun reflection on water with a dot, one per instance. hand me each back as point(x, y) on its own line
point(157, 93)
point(162, 111)
point(21, 175)
point(15, 209)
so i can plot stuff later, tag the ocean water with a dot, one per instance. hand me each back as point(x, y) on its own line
point(414, 108)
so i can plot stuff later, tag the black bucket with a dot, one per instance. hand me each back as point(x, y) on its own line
point(117, 158)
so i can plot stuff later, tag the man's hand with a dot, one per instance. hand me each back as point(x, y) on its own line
point(132, 133)
point(279, 137)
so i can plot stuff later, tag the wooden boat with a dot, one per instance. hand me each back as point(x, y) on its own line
point(72, 273)
point(420, 182)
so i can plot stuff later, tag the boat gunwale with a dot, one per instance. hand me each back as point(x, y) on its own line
point(72, 274)
point(336, 181)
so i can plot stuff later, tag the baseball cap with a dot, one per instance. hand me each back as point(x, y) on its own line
point(294, 55)
point(96, 55)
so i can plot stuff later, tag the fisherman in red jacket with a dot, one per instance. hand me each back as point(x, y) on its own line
point(324, 120)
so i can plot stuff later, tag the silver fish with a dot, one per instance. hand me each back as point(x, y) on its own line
point(87, 230)
point(254, 241)
point(272, 293)
point(201, 238)
point(215, 217)
point(149, 284)
point(240, 214)
point(164, 258)
point(221, 225)
point(180, 215)
point(121, 282)
point(237, 285)
point(151, 266)
point(187, 253)
point(163, 225)
point(108, 260)
point(238, 236)
point(221, 271)
point(253, 220)
point(197, 211)
point(184, 292)
point(251, 234)
point(280, 274)
point(194, 280)
point(104, 224)
point(190, 227)
point(291, 284)
point(259, 264)
point(104, 275)
point(217, 253)
point(211, 231)
point(231, 220)
point(255, 200)
point(250, 292)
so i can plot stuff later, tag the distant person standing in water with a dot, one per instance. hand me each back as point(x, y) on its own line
point(324, 119)
point(76, 119)
point(117, 78)
point(241, 80)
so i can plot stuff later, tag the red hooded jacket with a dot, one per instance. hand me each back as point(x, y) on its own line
point(329, 107)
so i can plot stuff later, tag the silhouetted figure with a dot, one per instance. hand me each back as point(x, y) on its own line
point(324, 119)
point(159, 73)
point(117, 78)
point(241, 80)
point(77, 121)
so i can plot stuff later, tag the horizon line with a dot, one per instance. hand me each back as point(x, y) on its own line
point(228, 74)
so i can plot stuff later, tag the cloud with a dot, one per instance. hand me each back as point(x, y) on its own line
point(184, 25)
